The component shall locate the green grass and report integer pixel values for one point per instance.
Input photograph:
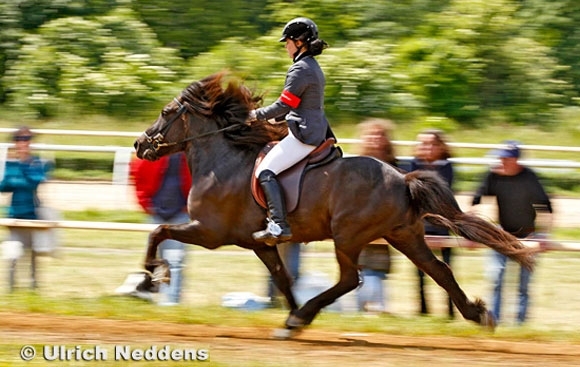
(94, 215)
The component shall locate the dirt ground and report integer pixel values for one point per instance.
(241, 346)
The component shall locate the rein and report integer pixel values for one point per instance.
(157, 141)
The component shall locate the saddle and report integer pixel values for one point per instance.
(291, 179)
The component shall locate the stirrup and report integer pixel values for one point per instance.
(273, 234)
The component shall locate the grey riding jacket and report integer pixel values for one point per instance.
(302, 102)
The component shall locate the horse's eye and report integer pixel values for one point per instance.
(164, 112)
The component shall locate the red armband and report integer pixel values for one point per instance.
(290, 99)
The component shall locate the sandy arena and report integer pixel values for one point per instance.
(240, 346)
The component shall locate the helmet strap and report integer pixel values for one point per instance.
(299, 49)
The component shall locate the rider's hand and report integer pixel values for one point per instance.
(251, 117)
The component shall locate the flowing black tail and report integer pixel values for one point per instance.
(432, 199)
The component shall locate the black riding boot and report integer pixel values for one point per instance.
(278, 229)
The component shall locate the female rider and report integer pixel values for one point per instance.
(302, 105)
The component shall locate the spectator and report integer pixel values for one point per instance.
(23, 174)
(519, 196)
(375, 260)
(162, 188)
(432, 153)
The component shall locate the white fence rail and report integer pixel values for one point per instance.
(432, 241)
(123, 154)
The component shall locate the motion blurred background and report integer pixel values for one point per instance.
(482, 71)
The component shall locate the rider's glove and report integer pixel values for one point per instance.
(251, 117)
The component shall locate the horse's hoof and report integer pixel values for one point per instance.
(285, 334)
(488, 321)
(161, 274)
(294, 322)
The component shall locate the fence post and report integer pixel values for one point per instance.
(3, 157)
(121, 166)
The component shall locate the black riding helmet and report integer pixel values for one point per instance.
(300, 27)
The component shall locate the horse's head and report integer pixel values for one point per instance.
(164, 135)
(204, 110)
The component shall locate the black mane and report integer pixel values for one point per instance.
(230, 106)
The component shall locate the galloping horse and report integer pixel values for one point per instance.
(351, 200)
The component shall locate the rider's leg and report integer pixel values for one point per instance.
(278, 230)
(284, 155)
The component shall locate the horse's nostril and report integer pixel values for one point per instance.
(136, 145)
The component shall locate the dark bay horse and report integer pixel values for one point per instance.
(352, 200)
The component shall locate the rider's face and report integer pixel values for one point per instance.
(291, 47)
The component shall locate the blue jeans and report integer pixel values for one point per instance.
(174, 252)
(371, 291)
(497, 272)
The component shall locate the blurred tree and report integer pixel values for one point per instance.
(261, 63)
(471, 60)
(360, 81)
(112, 64)
(19, 16)
(555, 25)
(468, 60)
(10, 35)
(194, 26)
(393, 20)
(35, 13)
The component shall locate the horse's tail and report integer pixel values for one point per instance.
(432, 199)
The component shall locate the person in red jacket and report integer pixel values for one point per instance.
(149, 177)
(162, 188)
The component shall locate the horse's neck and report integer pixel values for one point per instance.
(216, 161)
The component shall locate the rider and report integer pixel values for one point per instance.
(302, 104)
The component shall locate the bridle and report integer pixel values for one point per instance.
(157, 141)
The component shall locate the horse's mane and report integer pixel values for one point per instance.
(230, 106)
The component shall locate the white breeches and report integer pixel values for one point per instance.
(284, 155)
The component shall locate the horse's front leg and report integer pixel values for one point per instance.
(349, 280)
(158, 269)
(271, 258)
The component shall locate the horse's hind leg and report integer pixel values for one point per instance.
(421, 255)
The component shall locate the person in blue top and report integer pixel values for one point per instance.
(22, 175)
(301, 104)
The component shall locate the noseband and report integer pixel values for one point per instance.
(157, 141)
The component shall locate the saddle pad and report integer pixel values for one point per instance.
(290, 180)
